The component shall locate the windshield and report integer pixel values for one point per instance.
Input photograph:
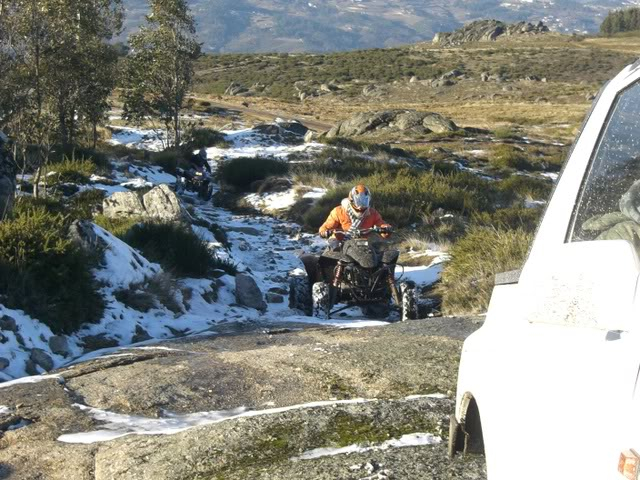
(608, 206)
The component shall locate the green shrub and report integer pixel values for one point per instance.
(526, 187)
(168, 159)
(176, 247)
(511, 218)
(404, 195)
(45, 274)
(118, 227)
(468, 277)
(505, 133)
(73, 171)
(205, 138)
(83, 204)
(508, 156)
(26, 204)
(242, 172)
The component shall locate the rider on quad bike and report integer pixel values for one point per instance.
(353, 214)
(198, 177)
(354, 270)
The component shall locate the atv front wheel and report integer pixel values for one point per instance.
(409, 301)
(322, 300)
(300, 294)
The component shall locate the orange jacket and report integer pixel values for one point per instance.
(339, 220)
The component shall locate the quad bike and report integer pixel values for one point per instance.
(198, 181)
(355, 272)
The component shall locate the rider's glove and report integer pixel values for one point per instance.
(326, 233)
(386, 230)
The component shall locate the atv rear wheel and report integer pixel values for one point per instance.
(409, 301)
(300, 294)
(322, 297)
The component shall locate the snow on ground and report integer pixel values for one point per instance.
(153, 140)
(249, 143)
(409, 440)
(274, 201)
(118, 425)
(264, 247)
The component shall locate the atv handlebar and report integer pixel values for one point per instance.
(359, 233)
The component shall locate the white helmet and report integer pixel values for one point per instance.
(360, 197)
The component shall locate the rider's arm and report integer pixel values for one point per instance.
(331, 223)
(379, 222)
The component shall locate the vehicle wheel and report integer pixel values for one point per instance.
(322, 300)
(180, 186)
(409, 301)
(300, 294)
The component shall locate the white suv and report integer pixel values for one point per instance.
(547, 386)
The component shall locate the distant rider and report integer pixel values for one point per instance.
(199, 161)
(353, 214)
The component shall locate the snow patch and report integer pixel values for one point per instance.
(119, 425)
(410, 440)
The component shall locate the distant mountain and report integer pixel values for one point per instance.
(330, 25)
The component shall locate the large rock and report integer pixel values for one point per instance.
(41, 358)
(60, 345)
(123, 204)
(160, 203)
(392, 121)
(8, 323)
(488, 31)
(248, 293)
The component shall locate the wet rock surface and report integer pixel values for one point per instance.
(258, 367)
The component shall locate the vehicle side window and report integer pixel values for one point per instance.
(609, 204)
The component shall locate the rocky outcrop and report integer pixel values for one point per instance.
(160, 203)
(236, 89)
(7, 178)
(248, 293)
(487, 31)
(392, 121)
(289, 132)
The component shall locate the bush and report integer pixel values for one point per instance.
(242, 172)
(169, 159)
(508, 156)
(404, 195)
(205, 138)
(118, 227)
(45, 274)
(512, 218)
(526, 187)
(84, 204)
(73, 171)
(468, 277)
(177, 248)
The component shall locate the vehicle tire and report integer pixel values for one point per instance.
(180, 185)
(300, 294)
(409, 301)
(321, 297)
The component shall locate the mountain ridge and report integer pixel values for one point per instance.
(234, 26)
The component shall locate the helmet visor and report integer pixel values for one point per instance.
(360, 201)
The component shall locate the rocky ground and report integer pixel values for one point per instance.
(212, 407)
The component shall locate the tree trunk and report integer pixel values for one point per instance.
(95, 134)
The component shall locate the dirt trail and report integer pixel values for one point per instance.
(270, 115)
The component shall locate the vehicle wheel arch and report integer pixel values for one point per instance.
(466, 435)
